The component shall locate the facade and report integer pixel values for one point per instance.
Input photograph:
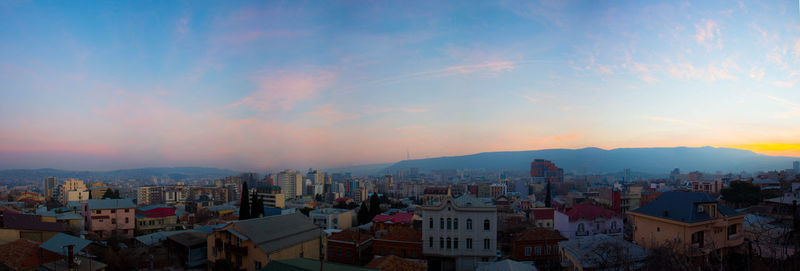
(149, 195)
(400, 242)
(392, 222)
(175, 194)
(585, 219)
(691, 221)
(291, 183)
(108, 217)
(72, 190)
(543, 217)
(538, 244)
(600, 252)
(434, 195)
(332, 218)
(272, 195)
(349, 247)
(50, 185)
(97, 192)
(459, 233)
(252, 244)
(544, 170)
(709, 187)
(155, 218)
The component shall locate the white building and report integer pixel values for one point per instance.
(291, 183)
(460, 233)
(72, 190)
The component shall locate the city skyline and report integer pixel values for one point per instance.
(250, 86)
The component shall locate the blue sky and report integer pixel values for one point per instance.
(255, 85)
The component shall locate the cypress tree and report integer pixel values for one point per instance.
(244, 204)
(547, 197)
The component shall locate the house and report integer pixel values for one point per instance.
(155, 218)
(392, 222)
(586, 219)
(537, 244)
(252, 244)
(349, 247)
(109, 217)
(14, 226)
(332, 218)
(543, 217)
(401, 242)
(600, 252)
(24, 254)
(190, 247)
(691, 221)
(394, 263)
(459, 233)
(61, 244)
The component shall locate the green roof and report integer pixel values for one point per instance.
(303, 264)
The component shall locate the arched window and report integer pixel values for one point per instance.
(441, 223)
(613, 225)
(581, 228)
(486, 225)
(431, 241)
(431, 222)
(441, 242)
(455, 223)
(449, 223)
(448, 242)
(469, 223)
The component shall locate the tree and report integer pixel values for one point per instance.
(318, 197)
(741, 194)
(257, 206)
(108, 194)
(223, 265)
(548, 198)
(363, 214)
(374, 206)
(244, 204)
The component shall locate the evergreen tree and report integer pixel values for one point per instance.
(256, 206)
(108, 194)
(374, 206)
(244, 204)
(363, 214)
(547, 197)
(116, 194)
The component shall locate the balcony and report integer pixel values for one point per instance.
(236, 249)
(617, 230)
(734, 240)
(582, 233)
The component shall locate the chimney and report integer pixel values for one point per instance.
(70, 257)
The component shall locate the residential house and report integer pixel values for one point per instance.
(252, 244)
(349, 247)
(332, 218)
(543, 217)
(108, 217)
(61, 244)
(24, 254)
(190, 247)
(600, 252)
(392, 222)
(401, 242)
(537, 244)
(155, 218)
(691, 221)
(14, 226)
(586, 219)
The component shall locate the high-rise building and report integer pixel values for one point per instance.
(316, 176)
(626, 175)
(544, 170)
(72, 190)
(796, 167)
(51, 183)
(148, 195)
(291, 183)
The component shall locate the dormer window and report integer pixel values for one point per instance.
(700, 209)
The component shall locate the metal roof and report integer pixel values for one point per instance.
(271, 233)
(682, 206)
(95, 204)
(59, 241)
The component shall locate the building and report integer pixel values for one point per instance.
(585, 219)
(305, 264)
(252, 244)
(24, 254)
(600, 252)
(317, 177)
(538, 244)
(332, 218)
(509, 265)
(349, 247)
(155, 218)
(459, 233)
(72, 190)
(400, 242)
(97, 192)
(392, 222)
(149, 195)
(176, 194)
(272, 195)
(50, 187)
(291, 183)
(691, 221)
(14, 226)
(709, 187)
(434, 195)
(796, 167)
(108, 217)
(190, 247)
(544, 170)
(394, 263)
(543, 217)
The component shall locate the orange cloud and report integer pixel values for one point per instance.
(775, 149)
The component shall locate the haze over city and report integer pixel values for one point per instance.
(272, 85)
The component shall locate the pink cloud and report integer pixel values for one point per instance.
(707, 33)
(330, 114)
(283, 90)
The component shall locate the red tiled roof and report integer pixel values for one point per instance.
(401, 218)
(402, 235)
(349, 236)
(160, 212)
(542, 213)
(588, 212)
(394, 263)
(537, 234)
(24, 254)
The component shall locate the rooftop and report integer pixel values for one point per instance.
(25, 254)
(394, 263)
(588, 212)
(538, 234)
(683, 207)
(271, 233)
(303, 264)
(401, 218)
(349, 236)
(507, 265)
(592, 250)
(57, 242)
(12, 220)
(110, 203)
(402, 235)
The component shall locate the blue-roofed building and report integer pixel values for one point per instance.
(692, 221)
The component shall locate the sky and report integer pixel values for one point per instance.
(295, 84)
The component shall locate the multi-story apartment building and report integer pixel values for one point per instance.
(544, 170)
(459, 233)
(291, 183)
(693, 222)
(272, 195)
(176, 194)
(332, 218)
(72, 190)
(434, 195)
(50, 185)
(155, 218)
(148, 195)
(108, 217)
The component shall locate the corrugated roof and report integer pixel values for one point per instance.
(189, 238)
(59, 241)
(95, 204)
(468, 200)
(272, 233)
(682, 206)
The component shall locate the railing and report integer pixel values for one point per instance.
(236, 249)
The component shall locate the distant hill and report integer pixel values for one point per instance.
(595, 160)
(359, 169)
(174, 173)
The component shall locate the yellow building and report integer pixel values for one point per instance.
(252, 243)
(691, 222)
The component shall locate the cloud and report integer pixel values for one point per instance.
(796, 49)
(370, 109)
(282, 90)
(670, 120)
(530, 99)
(707, 33)
(757, 73)
(710, 73)
(330, 114)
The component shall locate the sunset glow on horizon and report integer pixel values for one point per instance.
(275, 85)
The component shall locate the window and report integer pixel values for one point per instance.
(441, 223)
(101, 221)
(257, 265)
(413, 254)
(430, 220)
(127, 210)
(487, 243)
(486, 225)
(613, 225)
(113, 221)
(97, 212)
(113, 211)
(430, 245)
(455, 243)
(697, 238)
(538, 250)
(448, 243)
(403, 253)
(597, 227)
(382, 252)
(214, 251)
(441, 242)
(469, 243)
(449, 223)
(731, 231)
(581, 228)
(239, 260)
(469, 223)
(549, 251)
(527, 251)
(455, 223)
(127, 220)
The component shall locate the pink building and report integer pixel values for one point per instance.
(108, 217)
